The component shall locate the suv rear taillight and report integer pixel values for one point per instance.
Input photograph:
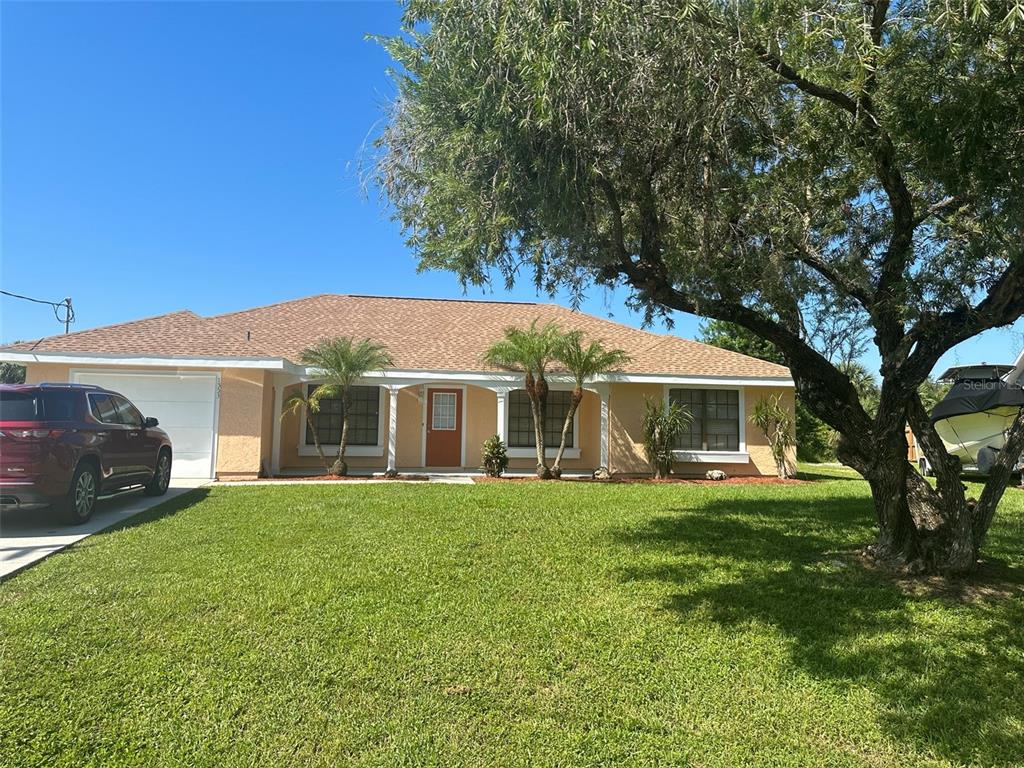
(30, 434)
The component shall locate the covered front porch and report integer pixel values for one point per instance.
(436, 424)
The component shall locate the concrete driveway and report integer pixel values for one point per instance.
(27, 536)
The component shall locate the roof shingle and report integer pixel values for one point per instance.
(420, 334)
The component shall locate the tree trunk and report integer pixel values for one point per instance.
(316, 442)
(340, 467)
(574, 404)
(537, 390)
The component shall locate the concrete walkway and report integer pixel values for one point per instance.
(27, 536)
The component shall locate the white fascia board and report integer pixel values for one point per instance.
(144, 361)
(722, 381)
(411, 376)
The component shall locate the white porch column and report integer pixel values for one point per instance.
(392, 431)
(502, 413)
(275, 446)
(603, 390)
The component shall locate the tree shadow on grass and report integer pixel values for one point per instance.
(948, 676)
(165, 509)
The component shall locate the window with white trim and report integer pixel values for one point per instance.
(363, 420)
(715, 424)
(520, 419)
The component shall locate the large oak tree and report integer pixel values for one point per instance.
(761, 163)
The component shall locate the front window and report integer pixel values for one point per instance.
(363, 419)
(127, 413)
(520, 419)
(716, 419)
(103, 410)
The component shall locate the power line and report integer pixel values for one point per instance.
(58, 307)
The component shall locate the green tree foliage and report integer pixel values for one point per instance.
(768, 164)
(12, 373)
(772, 418)
(342, 361)
(932, 392)
(583, 362)
(530, 350)
(661, 429)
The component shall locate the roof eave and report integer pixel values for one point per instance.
(148, 360)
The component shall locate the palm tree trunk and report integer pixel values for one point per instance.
(340, 467)
(538, 437)
(574, 404)
(316, 442)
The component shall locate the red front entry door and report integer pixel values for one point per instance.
(444, 427)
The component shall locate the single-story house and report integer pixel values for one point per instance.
(217, 385)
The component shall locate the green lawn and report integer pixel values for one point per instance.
(518, 624)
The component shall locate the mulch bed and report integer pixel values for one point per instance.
(343, 479)
(649, 480)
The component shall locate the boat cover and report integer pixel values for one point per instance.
(976, 396)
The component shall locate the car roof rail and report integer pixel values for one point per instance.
(68, 384)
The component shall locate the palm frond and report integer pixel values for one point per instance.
(530, 349)
(586, 362)
(343, 360)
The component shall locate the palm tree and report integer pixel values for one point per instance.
(531, 351)
(583, 363)
(343, 361)
(311, 403)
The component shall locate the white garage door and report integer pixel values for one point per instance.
(184, 403)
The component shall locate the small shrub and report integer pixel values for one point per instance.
(772, 418)
(662, 426)
(495, 457)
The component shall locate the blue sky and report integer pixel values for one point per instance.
(162, 156)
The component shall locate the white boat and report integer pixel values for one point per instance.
(973, 418)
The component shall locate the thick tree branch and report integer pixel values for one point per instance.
(935, 335)
(787, 73)
(849, 286)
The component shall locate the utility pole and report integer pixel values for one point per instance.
(67, 313)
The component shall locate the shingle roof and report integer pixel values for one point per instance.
(420, 334)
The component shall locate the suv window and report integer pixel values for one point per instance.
(102, 408)
(37, 406)
(127, 413)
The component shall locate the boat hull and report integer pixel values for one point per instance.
(966, 434)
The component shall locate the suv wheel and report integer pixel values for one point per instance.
(81, 499)
(162, 477)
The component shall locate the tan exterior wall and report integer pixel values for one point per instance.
(240, 429)
(481, 422)
(626, 407)
(37, 373)
(625, 428)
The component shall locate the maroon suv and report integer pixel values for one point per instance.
(67, 444)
